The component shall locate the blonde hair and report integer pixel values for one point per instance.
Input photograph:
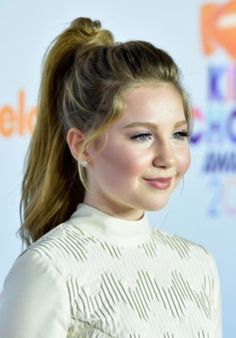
(84, 76)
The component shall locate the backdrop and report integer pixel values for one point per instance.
(200, 35)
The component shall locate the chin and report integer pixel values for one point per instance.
(155, 206)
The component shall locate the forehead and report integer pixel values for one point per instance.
(152, 103)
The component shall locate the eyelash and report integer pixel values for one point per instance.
(142, 137)
(182, 135)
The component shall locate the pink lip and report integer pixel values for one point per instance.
(161, 183)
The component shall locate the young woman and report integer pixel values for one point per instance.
(111, 141)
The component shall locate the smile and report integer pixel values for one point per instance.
(159, 183)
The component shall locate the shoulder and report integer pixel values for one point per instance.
(185, 250)
(33, 291)
(45, 260)
(176, 242)
(62, 247)
(31, 266)
(33, 274)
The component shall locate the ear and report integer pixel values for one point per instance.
(74, 139)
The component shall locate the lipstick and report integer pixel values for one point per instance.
(160, 183)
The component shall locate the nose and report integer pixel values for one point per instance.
(164, 155)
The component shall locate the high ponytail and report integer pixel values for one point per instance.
(84, 77)
(51, 186)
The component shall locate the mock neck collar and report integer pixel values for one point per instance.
(109, 228)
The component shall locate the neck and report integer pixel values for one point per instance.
(115, 210)
(110, 228)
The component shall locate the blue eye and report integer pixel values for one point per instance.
(181, 135)
(142, 137)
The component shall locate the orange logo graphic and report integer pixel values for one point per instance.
(218, 25)
(17, 121)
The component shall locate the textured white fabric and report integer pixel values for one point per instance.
(100, 276)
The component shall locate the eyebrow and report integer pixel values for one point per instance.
(153, 125)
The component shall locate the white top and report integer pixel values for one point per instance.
(99, 276)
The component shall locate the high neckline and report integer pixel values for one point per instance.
(109, 228)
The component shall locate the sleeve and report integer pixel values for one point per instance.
(34, 302)
(217, 314)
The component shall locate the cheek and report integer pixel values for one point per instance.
(128, 164)
(184, 160)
